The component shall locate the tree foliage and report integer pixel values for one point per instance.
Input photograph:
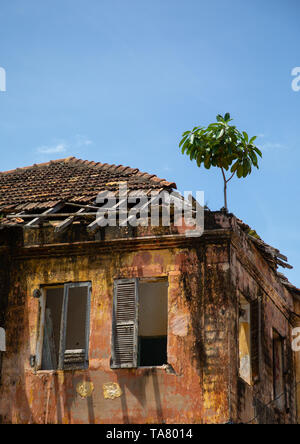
(222, 145)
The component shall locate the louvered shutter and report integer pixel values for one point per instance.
(255, 338)
(125, 324)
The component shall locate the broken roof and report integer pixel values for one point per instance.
(43, 186)
(272, 255)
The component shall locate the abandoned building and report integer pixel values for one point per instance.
(102, 324)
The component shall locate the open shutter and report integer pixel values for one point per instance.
(125, 324)
(75, 325)
(255, 316)
(40, 339)
(49, 354)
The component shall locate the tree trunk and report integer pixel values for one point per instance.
(225, 195)
(225, 189)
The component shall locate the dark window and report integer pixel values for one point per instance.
(255, 319)
(278, 370)
(152, 351)
(153, 323)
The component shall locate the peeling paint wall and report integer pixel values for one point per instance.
(200, 384)
(145, 395)
(297, 356)
(254, 279)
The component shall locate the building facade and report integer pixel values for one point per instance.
(137, 325)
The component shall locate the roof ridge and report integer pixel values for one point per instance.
(96, 165)
(37, 165)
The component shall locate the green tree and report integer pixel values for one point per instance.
(222, 145)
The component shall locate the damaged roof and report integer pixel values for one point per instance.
(42, 186)
(47, 187)
(292, 288)
(272, 255)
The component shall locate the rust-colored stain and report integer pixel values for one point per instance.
(200, 383)
(111, 390)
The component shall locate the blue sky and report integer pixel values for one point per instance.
(118, 81)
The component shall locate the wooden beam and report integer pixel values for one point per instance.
(38, 220)
(48, 216)
(91, 207)
(143, 207)
(95, 224)
(152, 201)
(62, 226)
(284, 264)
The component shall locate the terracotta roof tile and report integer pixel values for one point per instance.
(41, 186)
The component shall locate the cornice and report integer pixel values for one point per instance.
(123, 244)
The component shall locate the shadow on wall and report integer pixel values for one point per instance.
(136, 386)
(30, 399)
(82, 387)
(61, 392)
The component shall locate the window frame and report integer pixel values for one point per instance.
(136, 358)
(254, 321)
(242, 303)
(277, 337)
(63, 323)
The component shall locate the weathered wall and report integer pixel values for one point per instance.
(3, 298)
(197, 331)
(253, 279)
(296, 325)
(3, 288)
(4, 284)
(202, 385)
(5, 240)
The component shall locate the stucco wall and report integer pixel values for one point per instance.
(201, 385)
(253, 278)
(196, 332)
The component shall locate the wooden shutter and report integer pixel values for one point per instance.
(40, 339)
(255, 317)
(49, 361)
(125, 324)
(76, 358)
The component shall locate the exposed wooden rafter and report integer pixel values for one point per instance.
(97, 223)
(44, 216)
(62, 226)
(37, 220)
